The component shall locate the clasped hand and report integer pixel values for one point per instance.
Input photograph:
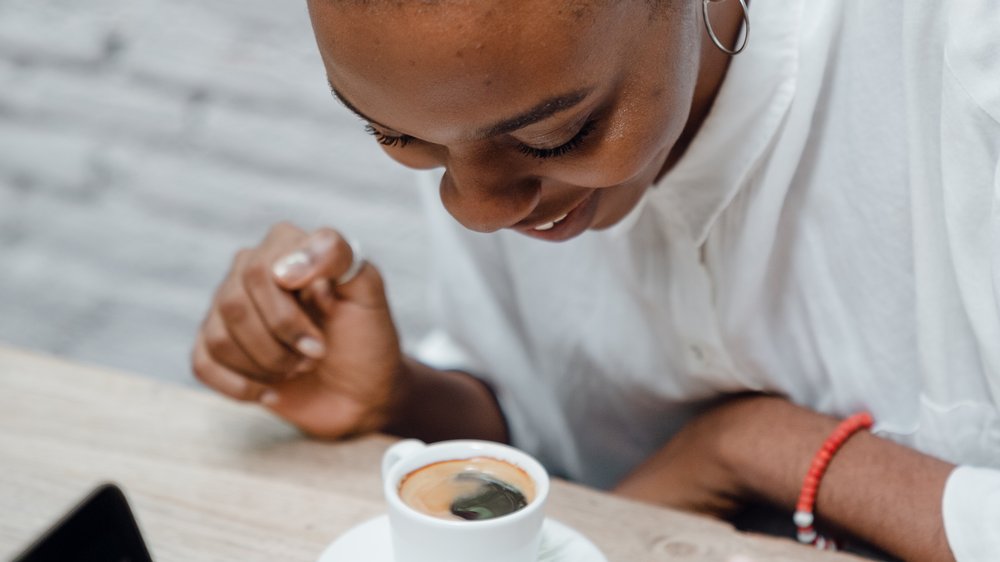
(279, 330)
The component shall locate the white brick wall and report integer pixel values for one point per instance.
(143, 141)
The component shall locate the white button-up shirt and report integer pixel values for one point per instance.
(832, 234)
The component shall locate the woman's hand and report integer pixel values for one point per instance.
(280, 330)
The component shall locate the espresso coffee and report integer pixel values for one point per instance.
(467, 489)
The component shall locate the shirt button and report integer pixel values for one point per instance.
(698, 353)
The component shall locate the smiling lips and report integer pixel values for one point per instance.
(551, 225)
(570, 224)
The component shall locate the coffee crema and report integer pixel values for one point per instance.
(467, 489)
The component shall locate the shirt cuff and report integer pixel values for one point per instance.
(971, 511)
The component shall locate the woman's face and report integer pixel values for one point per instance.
(540, 111)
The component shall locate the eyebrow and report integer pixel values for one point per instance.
(543, 110)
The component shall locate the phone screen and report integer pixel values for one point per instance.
(100, 529)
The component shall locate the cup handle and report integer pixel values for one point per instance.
(398, 452)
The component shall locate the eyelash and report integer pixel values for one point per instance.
(388, 140)
(540, 153)
(563, 149)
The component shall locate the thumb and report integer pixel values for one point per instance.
(366, 288)
(324, 254)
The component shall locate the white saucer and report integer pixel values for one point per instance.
(369, 542)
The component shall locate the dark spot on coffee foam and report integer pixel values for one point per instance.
(492, 498)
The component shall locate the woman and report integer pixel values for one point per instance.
(810, 221)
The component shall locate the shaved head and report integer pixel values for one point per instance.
(531, 106)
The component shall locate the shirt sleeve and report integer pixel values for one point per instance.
(437, 349)
(971, 502)
(971, 510)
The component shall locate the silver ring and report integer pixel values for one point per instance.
(715, 38)
(357, 262)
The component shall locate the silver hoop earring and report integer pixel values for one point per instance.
(715, 38)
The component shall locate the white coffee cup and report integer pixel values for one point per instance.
(418, 537)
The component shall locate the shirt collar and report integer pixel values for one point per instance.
(747, 112)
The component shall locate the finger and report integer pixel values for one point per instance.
(241, 342)
(367, 288)
(324, 254)
(281, 314)
(243, 323)
(224, 349)
(322, 295)
(220, 378)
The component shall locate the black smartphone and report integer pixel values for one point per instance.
(101, 528)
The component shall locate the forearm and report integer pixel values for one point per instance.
(877, 490)
(435, 405)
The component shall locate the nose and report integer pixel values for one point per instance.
(486, 193)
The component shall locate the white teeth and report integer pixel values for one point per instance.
(550, 225)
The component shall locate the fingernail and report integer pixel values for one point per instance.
(269, 398)
(292, 266)
(310, 347)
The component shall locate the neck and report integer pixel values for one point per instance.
(727, 21)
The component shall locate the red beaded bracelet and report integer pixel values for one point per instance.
(807, 497)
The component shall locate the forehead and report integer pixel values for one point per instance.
(415, 65)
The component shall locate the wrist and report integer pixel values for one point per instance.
(434, 405)
(767, 446)
(397, 414)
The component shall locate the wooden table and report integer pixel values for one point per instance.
(210, 479)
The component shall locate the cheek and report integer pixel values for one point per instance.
(624, 163)
(625, 159)
(642, 140)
